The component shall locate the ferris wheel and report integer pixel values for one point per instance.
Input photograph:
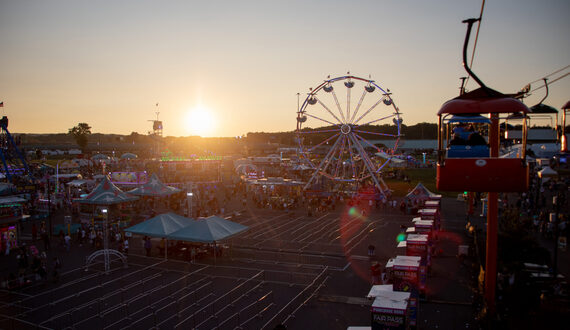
(340, 134)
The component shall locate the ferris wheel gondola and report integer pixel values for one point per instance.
(336, 133)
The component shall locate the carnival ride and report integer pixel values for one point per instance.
(334, 131)
(477, 166)
(13, 160)
(482, 170)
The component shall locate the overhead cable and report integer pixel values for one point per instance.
(476, 38)
(550, 82)
(548, 75)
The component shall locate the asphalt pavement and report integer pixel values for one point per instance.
(316, 274)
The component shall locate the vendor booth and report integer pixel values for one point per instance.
(11, 212)
(408, 275)
(433, 204)
(431, 214)
(419, 195)
(418, 245)
(390, 309)
(425, 227)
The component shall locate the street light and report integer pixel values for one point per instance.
(189, 195)
(106, 239)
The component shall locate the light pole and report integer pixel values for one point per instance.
(106, 239)
(189, 195)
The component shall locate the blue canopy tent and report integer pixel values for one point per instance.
(155, 188)
(129, 155)
(161, 226)
(208, 230)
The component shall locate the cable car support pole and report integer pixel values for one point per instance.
(492, 197)
(492, 224)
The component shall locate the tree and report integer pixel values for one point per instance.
(80, 133)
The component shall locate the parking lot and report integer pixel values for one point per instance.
(288, 268)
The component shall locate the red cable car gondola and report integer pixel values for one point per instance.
(473, 167)
(476, 165)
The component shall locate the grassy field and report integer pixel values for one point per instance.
(426, 176)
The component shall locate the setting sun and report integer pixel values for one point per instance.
(200, 121)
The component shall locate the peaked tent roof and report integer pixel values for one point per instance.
(542, 109)
(161, 225)
(208, 230)
(129, 155)
(392, 158)
(154, 187)
(100, 157)
(421, 192)
(106, 193)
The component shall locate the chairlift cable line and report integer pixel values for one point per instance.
(476, 38)
(550, 82)
(548, 75)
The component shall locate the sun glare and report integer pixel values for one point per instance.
(200, 121)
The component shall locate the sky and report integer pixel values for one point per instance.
(226, 68)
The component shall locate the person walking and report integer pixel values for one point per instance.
(126, 246)
(67, 242)
(147, 246)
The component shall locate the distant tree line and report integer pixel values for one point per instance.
(426, 131)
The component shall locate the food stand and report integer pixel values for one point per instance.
(433, 204)
(425, 227)
(418, 245)
(11, 213)
(390, 310)
(430, 214)
(407, 275)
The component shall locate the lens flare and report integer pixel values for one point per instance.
(353, 212)
(401, 237)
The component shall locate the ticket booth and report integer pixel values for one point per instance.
(390, 310)
(418, 245)
(434, 197)
(430, 214)
(407, 275)
(425, 227)
(436, 204)
(376, 290)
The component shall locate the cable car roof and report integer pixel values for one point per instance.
(483, 100)
(542, 109)
(468, 118)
